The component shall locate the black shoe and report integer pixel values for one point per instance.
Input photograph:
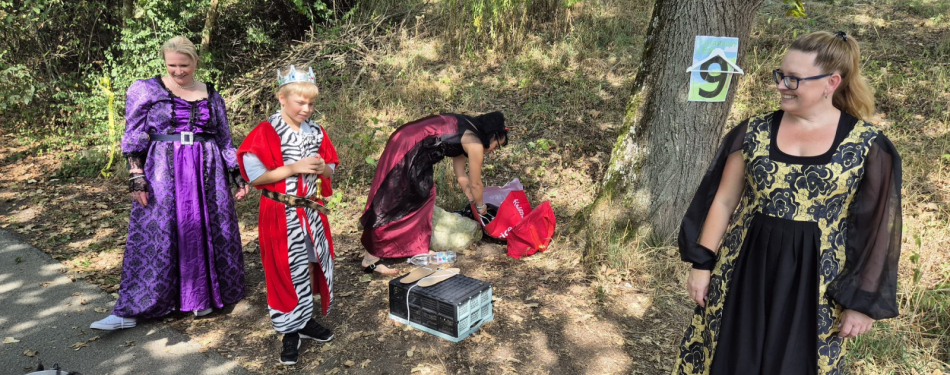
(289, 355)
(315, 332)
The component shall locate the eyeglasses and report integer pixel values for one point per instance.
(792, 82)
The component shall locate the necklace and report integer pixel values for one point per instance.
(193, 83)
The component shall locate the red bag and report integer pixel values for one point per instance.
(527, 231)
(533, 233)
(510, 213)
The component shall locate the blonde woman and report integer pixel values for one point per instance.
(184, 249)
(809, 260)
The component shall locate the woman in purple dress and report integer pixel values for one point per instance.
(184, 247)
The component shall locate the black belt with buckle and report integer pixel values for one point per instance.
(295, 201)
(186, 138)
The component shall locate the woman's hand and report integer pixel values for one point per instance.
(138, 186)
(854, 324)
(698, 285)
(242, 191)
(483, 209)
(140, 196)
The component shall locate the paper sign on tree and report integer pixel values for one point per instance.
(714, 63)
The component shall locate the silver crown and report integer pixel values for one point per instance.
(294, 76)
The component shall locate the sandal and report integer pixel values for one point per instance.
(439, 276)
(381, 262)
(416, 274)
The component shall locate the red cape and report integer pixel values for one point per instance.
(264, 143)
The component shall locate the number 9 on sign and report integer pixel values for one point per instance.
(720, 78)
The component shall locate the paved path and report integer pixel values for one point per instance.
(40, 306)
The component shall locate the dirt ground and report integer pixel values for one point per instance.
(552, 315)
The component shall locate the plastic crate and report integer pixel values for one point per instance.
(451, 309)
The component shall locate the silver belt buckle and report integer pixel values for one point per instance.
(187, 138)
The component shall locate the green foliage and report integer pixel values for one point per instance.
(17, 86)
(314, 10)
(83, 164)
(794, 8)
(541, 144)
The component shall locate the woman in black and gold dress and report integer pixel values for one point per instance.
(810, 257)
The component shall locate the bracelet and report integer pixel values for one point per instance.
(480, 207)
(135, 177)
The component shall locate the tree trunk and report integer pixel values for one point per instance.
(666, 142)
(127, 8)
(209, 26)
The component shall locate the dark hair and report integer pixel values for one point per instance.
(488, 127)
(839, 53)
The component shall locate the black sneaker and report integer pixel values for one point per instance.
(289, 355)
(315, 332)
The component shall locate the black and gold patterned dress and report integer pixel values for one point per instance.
(812, 236)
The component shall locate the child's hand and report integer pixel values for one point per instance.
(308, 166)
(321, 165)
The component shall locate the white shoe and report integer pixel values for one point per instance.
(112, 323)
(203, 312)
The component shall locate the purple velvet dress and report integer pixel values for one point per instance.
(184, 247)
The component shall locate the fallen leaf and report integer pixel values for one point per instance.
(77, 294)
(345, 294)
(349, 363)
(366, 278)
(93, 338)
(364, 363)
(410, 353)
(101, 310)
(10, 340)
(82, 301)
(421, 369)
(101, 205)
(30, 353)
(334, 371)
(532, 305)
(583, 318)
(78, 345)
(130, 343)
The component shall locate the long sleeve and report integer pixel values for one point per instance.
(692, 225)
(135, 142)
(222, 137)
(868, 281)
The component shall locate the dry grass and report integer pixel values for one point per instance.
(564, 95)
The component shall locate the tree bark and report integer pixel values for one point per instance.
(127, 8)
(666, 142)
(209, 26)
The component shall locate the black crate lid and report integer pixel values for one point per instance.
(456, 289)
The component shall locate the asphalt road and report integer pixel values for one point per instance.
(43, 309)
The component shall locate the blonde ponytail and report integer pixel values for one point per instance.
(839, 53)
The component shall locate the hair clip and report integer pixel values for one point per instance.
(842, 35)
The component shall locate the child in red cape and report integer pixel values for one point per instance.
(291, 160)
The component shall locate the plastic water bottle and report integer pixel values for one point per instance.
(430, 259)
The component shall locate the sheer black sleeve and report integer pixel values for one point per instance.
(137, 181)
(868, 281)
(692, 225)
